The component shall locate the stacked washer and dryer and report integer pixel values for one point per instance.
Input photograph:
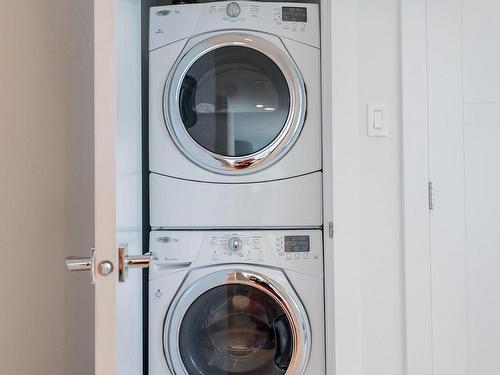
(236, 189)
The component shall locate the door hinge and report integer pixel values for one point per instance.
(431, 195)
(330, 229)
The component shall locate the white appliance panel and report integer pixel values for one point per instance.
(294, 202)
(305, 155)
(265, 248)
(301, 276)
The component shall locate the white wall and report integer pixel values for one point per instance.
(46, 314)
(381, 249)
(369, 321)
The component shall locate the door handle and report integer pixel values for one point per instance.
(126, 261)
(106, 267)
(88, 264)
(76, 264)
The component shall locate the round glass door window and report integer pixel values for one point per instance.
(234, 102)
(235, 329)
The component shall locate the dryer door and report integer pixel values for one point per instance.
(236, 322)
(235, 103)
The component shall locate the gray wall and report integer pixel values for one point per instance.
(46, 187)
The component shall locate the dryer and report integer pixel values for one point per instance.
(235, 115)
(247, 302)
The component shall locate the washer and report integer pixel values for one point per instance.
(236, 303)
(235, 112)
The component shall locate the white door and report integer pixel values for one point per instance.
(463, 79)
(118, 187)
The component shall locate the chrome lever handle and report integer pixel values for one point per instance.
(126, 261)
(139, 261)
(82, 264)
(78, 264)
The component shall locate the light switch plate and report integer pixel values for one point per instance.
(377, 120)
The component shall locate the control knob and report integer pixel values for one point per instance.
(235, 243)
(233, 10)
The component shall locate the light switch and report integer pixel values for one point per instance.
(377, 120)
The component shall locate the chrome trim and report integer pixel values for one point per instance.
(105, 268)
(126, 261)
(78, 263)
(172, 265)
(83, 264)
(245, 164)
(289, 302)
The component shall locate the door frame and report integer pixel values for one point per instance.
(116, 111)
(105, 127)
(416, 212)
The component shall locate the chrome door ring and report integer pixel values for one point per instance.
(245, 164)
(295, 312)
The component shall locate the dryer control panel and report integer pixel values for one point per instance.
(293, 18)
(299, 250)
(297, 21)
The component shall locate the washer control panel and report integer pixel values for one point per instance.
(299, 250)
(258, 246)
(236, 247)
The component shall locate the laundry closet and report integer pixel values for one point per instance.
(235, 188)
(211, 178)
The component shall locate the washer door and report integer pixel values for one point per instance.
(236, 322)
(235, 103)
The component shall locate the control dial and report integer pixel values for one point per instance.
(233, 10)
(235, 243)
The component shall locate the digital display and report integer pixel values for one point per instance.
(297, 244)
(294, 14)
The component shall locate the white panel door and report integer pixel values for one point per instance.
(118, 305)
(463, 45)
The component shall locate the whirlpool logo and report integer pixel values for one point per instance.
(162, 13)
(165, 239)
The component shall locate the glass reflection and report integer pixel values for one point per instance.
(234, 101)
(235, 329)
